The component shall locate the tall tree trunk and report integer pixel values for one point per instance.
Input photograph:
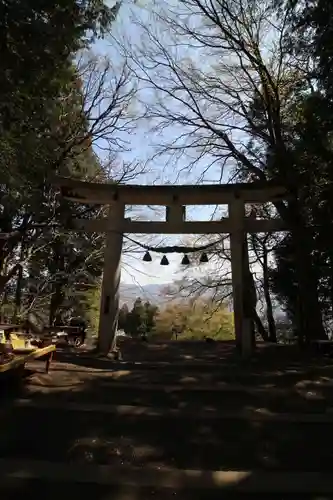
(4, 279)
(250, 296)
(309, 312)
(56, 301)
(3, 315)
(309, 318)
(331, 283)
(18, 290)
(57, 292)
(18, 296)
(3, 293)
(269, 308)
(260, 327)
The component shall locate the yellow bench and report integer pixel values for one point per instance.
(22, 358)
(18, 342)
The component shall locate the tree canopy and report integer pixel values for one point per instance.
(57, 101)
(245, 88)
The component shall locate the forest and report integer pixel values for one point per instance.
(251, 98)
(178, 320)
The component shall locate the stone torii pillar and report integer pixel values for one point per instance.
(242, 323)
(109, 308)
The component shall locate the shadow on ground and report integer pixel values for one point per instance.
(36, 490)
(279, 379)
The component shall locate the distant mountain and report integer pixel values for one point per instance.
(156, 295)
(153, 293)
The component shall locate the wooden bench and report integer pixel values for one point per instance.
(22, 356)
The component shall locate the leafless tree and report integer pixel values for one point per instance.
(214, 279)
(218, 85)
(96, 117)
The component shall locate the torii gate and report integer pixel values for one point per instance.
(175, 199)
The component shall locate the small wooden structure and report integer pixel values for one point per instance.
(175, 199)
(24, 356)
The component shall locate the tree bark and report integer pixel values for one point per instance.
(250, 296)
(18, 295)
(309, 312)
(57, 292)
(269, 308)
(18, 290)
(331, 280)
(309, 318)
(5, 278)
(260, 327)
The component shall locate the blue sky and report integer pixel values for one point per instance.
(134, 270)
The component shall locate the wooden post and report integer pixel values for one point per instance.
(242, 330)
(48, 362)
(111, 279)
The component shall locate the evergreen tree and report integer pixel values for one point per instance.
(123, 318)
(137, 319)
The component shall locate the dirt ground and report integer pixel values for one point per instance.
(181, 404)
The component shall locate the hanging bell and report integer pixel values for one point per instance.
(185, 261)
(203, 258)
(147, 257)
(164, 261)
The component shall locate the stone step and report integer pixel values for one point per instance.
(229, 397)
(205, 413)
(39, 489)
(105, 438)
(130, 479)
(174, 374)
(189, 362)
